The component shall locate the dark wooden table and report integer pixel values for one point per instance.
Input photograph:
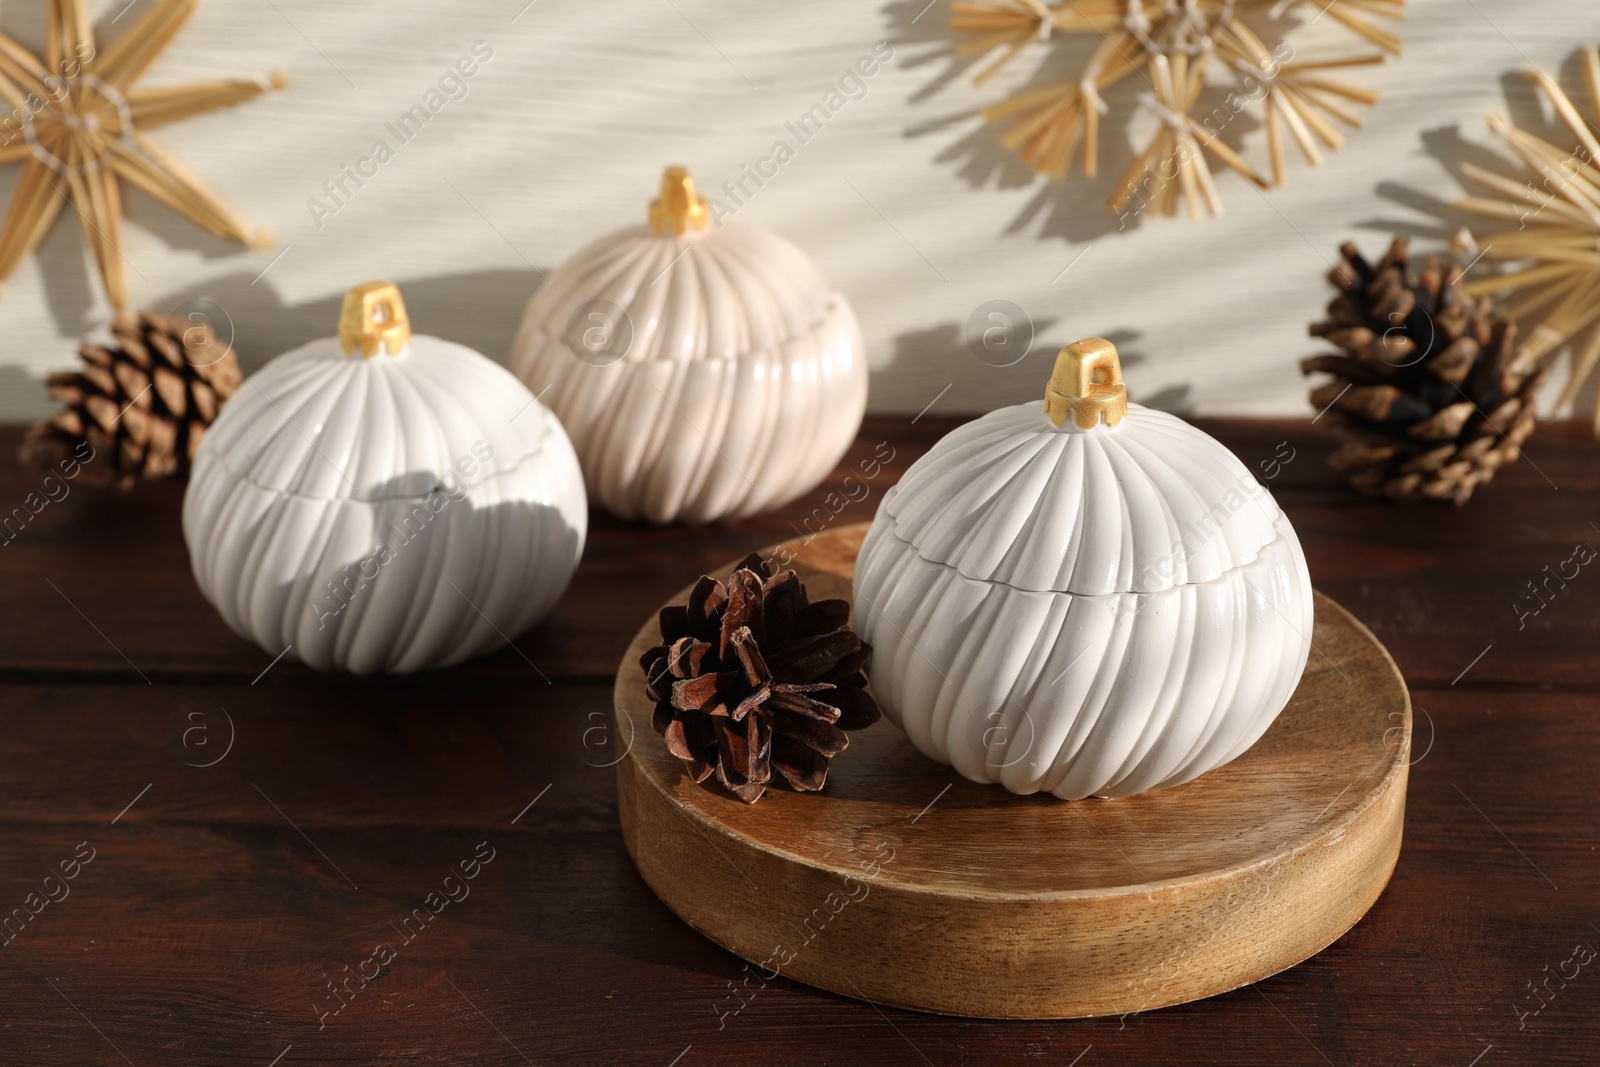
(257, 829)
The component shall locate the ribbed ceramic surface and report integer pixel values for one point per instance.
(1149, 505)
(1018, 589)
(317, 423)
(384, 514)
(742, 382)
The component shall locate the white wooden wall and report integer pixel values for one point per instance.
(904, 199)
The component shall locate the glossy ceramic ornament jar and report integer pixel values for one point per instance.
(703, 372)
(383, 502)
(1088, 598)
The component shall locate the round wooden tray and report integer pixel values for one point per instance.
(902, 883)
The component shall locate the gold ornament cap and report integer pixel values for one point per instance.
(374, 317)
(678, 209)
(1087, 384)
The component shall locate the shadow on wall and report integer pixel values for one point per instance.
(1435, 221)
(943, 355)
(480, 309)
(1071, 209)
(72, 286)
(1452, 148)
(70, 282)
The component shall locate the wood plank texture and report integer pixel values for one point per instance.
(206, 927)
(214, 912)
(1436, 585)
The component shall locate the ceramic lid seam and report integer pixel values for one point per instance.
(1278, 537)
(985, 469)
(221, 461)
(834, 298)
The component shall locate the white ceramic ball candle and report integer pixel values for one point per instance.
(1093, 598)
(383, 502)
(703, 372)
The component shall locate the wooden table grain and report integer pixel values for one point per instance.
(251, 844)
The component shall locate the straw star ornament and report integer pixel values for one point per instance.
(78, 126)
(1179, 48)
(1550, 248)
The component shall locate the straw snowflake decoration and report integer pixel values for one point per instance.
(1179, 46)
(78, 125)
(1553, 252)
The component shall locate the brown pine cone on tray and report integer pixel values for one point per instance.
(1426, 392)
(757, 685)
(141, 401)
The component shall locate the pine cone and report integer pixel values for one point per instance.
(1427, 393)
(751, 678)
(142, 402)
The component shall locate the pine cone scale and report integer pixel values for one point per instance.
(746, 648)
(686, 656)
(703, 693)
(799, 705)
(749, 703)
(803, 769)
(744, 610)
(856, 707)
(169, 387)
(1445, 424)
(813, 659)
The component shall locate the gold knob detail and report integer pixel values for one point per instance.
(678, 209)
(1087, 383)
(374, 317)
